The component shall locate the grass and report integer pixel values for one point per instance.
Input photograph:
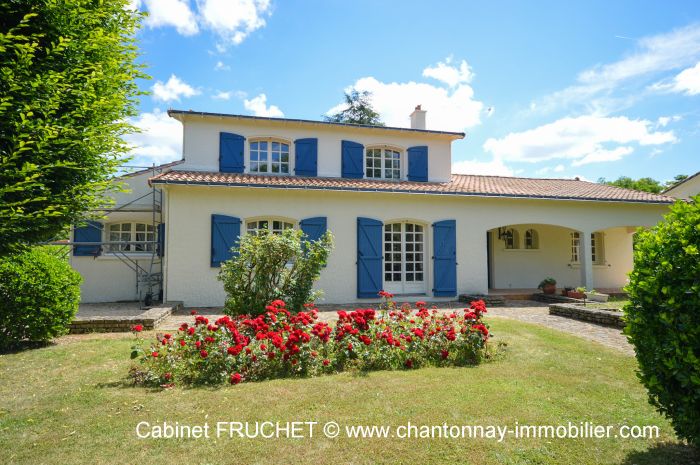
(612, 304)
(69, 403)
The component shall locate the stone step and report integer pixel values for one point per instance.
(491, 300)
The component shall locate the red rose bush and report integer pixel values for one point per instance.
(279, 344)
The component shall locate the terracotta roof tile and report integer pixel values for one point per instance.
(461, 184)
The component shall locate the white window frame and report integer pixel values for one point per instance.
(404, 286)
(270, 220)
(131, 235)
(597, 248)
(534, 239)
(383, 160)
(269, 141)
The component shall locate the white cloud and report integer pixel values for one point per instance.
(176, 13)
(233, 20)
(663, 121)
(450, 75)
(686, 82)
(220, 66)
(173, 90)
(584, 139)
(495, 167)
(559, 168)
(258, 105)
(653, 55)
(159, 141)
(222, 95)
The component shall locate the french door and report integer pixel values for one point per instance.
(404, 258)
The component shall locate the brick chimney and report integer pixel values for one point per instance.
(418, 118)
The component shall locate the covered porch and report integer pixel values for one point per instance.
(519, 256)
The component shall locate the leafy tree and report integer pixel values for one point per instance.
(676, 179)
(663, 316)
(358, 111)
(641, 184)
(67, 70)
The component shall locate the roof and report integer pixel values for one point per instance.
(150, 169)
(678, 184)
(174, 113)
(461, 184)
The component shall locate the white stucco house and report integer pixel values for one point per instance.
(401, 220)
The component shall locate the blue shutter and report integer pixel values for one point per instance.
(444, 258)
(369, 258)
(91, 232)
(306, 157)
(161, 239)
(231, 148)
(353, 155)
(314, 228)
(418, 163)
(224, 235)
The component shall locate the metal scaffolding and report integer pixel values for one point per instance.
(149, 276)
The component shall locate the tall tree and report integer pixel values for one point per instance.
(67, 71)
(676, 179)
(358, 110)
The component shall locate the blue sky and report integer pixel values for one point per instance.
(543, 89)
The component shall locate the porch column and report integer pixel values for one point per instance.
(585, 259)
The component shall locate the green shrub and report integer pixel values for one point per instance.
(272, 266)
(663, 316)
(39, 296)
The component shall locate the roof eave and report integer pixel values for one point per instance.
(181, 114)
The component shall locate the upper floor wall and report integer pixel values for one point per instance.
(305, 148)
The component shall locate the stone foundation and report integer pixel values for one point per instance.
(593, 315)
(149, 319)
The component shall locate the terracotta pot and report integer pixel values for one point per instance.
(575, 294)
(549, 289)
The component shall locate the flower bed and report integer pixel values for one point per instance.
(279, 344)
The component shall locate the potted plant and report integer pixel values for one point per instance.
(578, 293)
(596, 296)
(548, 286)
(566, 290)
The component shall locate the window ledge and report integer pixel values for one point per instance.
(521, 250)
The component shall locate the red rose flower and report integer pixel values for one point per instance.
(190, 331)
(326, 362)
(198, 344)
(193, 312)
(203, 353)
(444, 354)
(167, 336)
(154, 354)
(349, 346)
(183, 343)
(236, 378)
(409, 363)
(137, 328)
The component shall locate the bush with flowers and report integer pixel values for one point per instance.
(280, 344)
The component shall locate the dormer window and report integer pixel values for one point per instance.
(383, 163)
(269, 156)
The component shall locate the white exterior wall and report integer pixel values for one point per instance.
(524, 269)
(106, 278)
(201, 144)
(191, 279)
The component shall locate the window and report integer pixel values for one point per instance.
(510, 238)
(597, 256)
(269, 156)
(383, 163)
(276, 226)
(143, 234)
(404, 257)
(532, 240)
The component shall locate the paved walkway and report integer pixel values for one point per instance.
(538, 313)
(522, 310)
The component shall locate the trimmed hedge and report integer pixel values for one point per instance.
(39, 296)
(663, 316)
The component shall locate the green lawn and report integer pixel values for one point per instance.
(611, 304)
(69, 403)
